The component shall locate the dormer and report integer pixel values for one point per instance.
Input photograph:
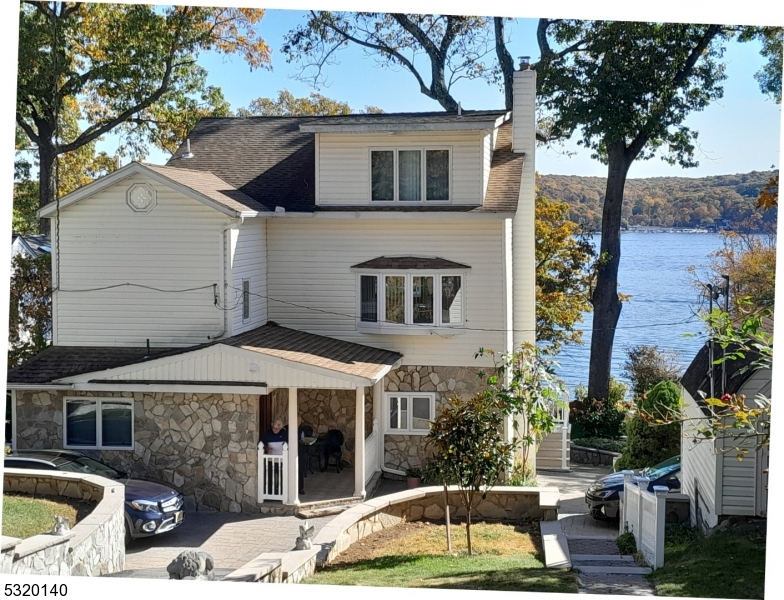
(408, 161)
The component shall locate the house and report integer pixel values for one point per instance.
(344, 269)
(717, 483)
(32, 245)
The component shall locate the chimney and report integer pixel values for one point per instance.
(523, 238)
(524, 109)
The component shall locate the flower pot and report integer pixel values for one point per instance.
(414, 482)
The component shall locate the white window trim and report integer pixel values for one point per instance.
(410, 412)
(242, 304)
(99, 422)
(409, 327)
(395, 183)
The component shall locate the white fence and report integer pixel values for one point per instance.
(371, 453)
(273, 475)
(643, 514)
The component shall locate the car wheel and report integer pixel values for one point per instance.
(128, 537)
(596, 513)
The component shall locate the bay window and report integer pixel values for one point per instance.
(415, 298)
(410, 175)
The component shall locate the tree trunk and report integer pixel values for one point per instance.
(605, 300)
(505, 62)
(47, 157)
(448, 524)
(468, 531)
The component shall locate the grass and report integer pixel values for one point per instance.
(25, 516)
(506, 558)
(729, 564)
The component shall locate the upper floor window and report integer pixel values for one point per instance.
(410, 175)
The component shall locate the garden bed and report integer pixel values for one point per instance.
(506, 557)
(25, 516)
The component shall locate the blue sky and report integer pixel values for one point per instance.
(738, 133)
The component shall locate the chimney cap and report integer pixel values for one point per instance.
(525, 63)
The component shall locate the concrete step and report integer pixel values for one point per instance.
(325, 508)
(611, 570)
(587, 558)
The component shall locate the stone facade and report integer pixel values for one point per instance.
(327, 409)
(405, 451)
(203, 445)
(95, 546)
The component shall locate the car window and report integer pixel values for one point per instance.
(654, 474)
(670, 462)
(84, 464)
(16, 463)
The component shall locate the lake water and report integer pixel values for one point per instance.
(663, 300)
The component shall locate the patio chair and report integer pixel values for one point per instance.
(333, 448)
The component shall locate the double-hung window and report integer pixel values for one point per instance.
(101, 423)
(409, 413)
(410, 175)
(389, 299)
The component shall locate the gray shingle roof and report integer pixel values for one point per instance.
(271, 160)
(409, 262)
(347, 358)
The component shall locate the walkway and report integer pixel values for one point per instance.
(594, 553)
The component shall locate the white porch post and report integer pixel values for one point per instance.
(378, 396)
(359, 446)
(293, 449)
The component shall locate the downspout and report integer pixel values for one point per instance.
(224, 272)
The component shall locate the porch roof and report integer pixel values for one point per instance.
(262, 356)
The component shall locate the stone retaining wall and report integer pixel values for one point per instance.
(501, 504)
(591, 456)
(95, 545)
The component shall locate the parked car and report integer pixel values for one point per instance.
(603, 496)
(150, 508)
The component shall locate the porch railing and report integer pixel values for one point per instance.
(273, 475)
(643, 514)
(371, 452)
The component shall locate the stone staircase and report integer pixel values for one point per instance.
(602, 570)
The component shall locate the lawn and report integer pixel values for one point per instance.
(507, 558)
(25, 516)
(729, 564)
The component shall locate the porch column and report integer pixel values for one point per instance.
(378, 403)
(293, 449)
(359, 446)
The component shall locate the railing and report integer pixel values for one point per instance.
(643, 514)
(371, 453)
(273, 475)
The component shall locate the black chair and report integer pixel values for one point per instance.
(333, 441)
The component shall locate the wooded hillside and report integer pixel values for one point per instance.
(720, 201)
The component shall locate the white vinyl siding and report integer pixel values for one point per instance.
(698, 467)
(178, 245)
(488, 144)
(249, 263)
(310, 264)
(343, 169)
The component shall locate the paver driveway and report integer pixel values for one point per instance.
(232, 539)
(573, 513)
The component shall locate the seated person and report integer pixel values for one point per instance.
(273, 439)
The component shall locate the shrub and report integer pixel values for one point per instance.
(598, 418)
(646, 366)
(649, 442)
(601, 444)
(626, 543)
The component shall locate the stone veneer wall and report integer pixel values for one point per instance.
(327, 409)
(404, 451)
(204, 445)
(96, 544)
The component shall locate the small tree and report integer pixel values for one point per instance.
(652, 436)
(470, 450)
(646, 366)
(524, 386)
(592, 418)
